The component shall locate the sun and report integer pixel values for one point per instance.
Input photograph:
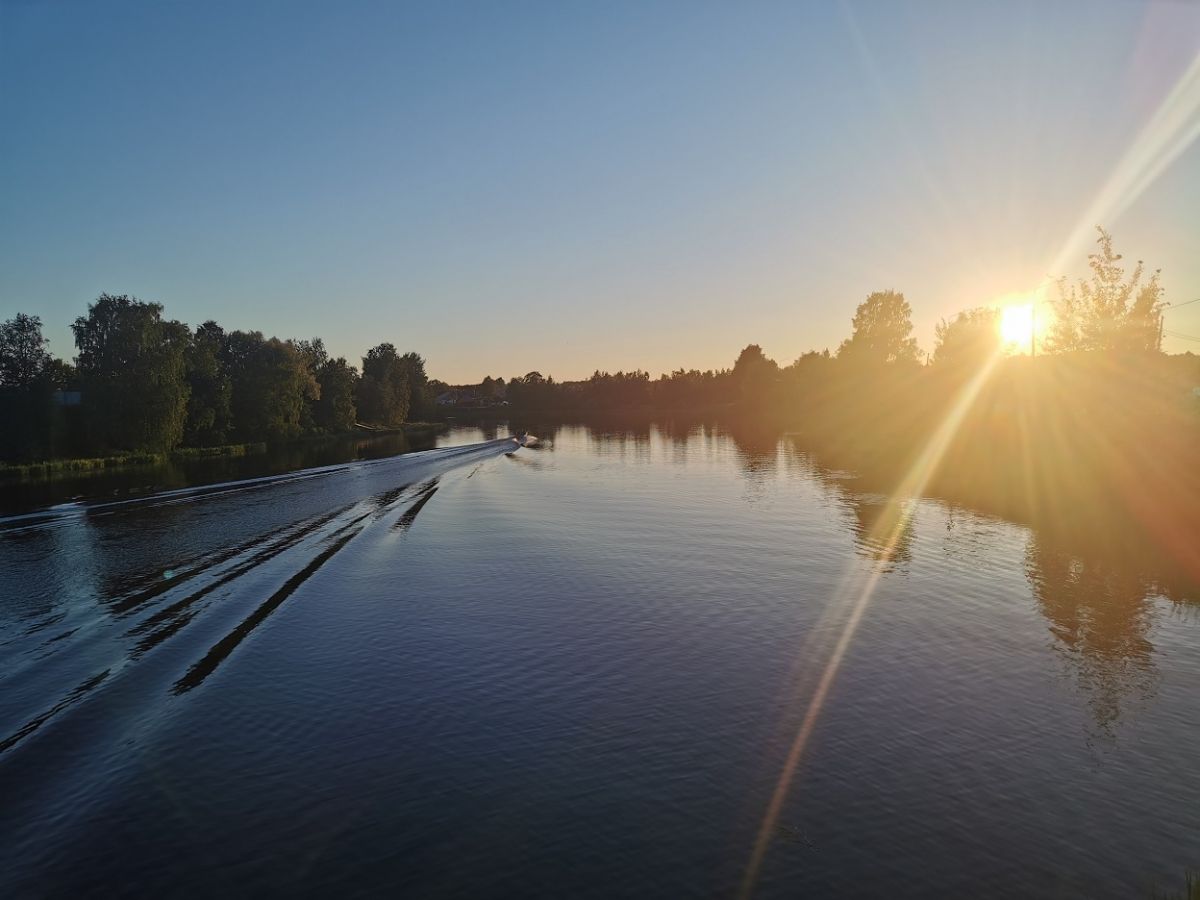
(1016, 324)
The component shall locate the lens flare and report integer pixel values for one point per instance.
(1173, 127)
(854, 595)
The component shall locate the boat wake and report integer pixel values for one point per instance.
(129, 598)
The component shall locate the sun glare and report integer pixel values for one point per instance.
(1016, 324)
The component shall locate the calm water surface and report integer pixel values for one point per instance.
(580, 670)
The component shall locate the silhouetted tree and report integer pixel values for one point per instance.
(752, 363)
(1108, 311)
(806, 378)
(756, 376)
(882, 331)
(620, 391)
(535, 391)
(811, 362)
(28, 377)
(61, 375)
(210, 403)
(23, 356)
(692, 388)
(968, 340)
(132, 368)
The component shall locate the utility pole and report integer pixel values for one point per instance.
(1166, 309)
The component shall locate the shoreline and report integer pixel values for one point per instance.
(48, 470)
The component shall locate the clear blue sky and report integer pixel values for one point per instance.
(570, 186)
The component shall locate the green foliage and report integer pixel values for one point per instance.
(28, 377)
(313, 352)
(23, 356)
(272, 386)
(335, 410)
(210, 404)
(882, 331)
(1108, 311)
(968, 340)
(148, 383)
(419, 399)
(132, 369)
(383, 390)
(314, 355)
(50, 468)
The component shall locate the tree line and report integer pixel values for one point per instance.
(1097, 439)
(1109, 314)
(152, 384)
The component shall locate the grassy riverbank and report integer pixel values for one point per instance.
(83, 465)
(53, 468)
(1191, 890)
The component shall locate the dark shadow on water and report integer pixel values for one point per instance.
(881, 526)
(34, 724)
(387, 498)
(424, 495)
(757, 449)
(223, 648)
(289, 538)
(338, 539)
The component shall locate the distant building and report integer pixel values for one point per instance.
(457, 397)
(68, 398)
(469, 396)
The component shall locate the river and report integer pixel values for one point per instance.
(623, 662)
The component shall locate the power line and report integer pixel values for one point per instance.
(1171, 306)
(1182, 337)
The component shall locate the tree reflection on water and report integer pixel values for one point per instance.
(1098, 585)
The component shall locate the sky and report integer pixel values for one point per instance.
(574, 186)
